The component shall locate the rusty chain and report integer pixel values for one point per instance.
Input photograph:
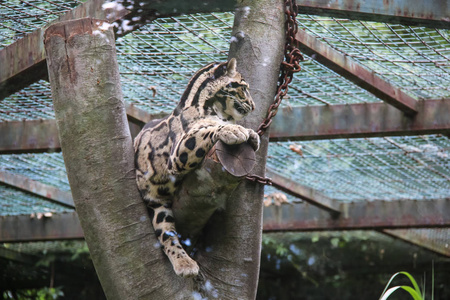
(289, 66)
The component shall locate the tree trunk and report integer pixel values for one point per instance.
(98, 154)
(231, 255)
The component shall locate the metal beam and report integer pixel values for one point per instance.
(297, 123)
(42, 135)
(23, 62)
(140, 116)
(355, 72)
(29, 136)
(412, 12)
(359, 120)
(362, 215)
(23, 228)
(374, 215)
(37, 188)
(422, 239)
(303, 192)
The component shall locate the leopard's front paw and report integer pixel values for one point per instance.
(185, 267)
(233, 134)
(253, 139)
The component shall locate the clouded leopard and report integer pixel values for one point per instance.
(169, 148)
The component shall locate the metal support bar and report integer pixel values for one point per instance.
(29, 136)
(303, 192)
(421, 239)
(362, 215)
(374, 215)
(359, 120)
(26, 229)
(298, 123)
(356, 73)
(412, 12)
(38, 188)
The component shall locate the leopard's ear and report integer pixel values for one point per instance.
(231, 67)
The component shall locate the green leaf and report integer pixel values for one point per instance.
(409, 289)
(416, 290)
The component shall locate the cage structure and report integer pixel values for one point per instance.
(361, 142)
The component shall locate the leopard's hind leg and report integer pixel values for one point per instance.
(160, 212)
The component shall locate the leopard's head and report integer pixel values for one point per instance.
(231, 99)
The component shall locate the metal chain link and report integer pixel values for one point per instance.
(289, 66)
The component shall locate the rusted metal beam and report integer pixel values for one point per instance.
(140, 116)
(29, 136)
(23, 62)
(362, 215)
(298, 123)
(423, 239)
(37, 188)
(42, 135)
(25, 228)
(359, 120)
(305, 193)
(355, 72)
(410, 12)
(374, 215)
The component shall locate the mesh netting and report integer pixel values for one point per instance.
(18, 17)
(369, 169)
(31, 103)
(417, 59)
(157, 61)
(15, 202)
(161, 57)
(46, 168)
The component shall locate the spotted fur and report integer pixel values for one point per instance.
(169, 148)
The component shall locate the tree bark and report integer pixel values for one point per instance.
(98, 155)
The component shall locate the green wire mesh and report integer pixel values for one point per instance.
(31, 103)
(18, 17)
(416, 59)
(15, 202)
(157, 61)
(395, 168)
(46, 168)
